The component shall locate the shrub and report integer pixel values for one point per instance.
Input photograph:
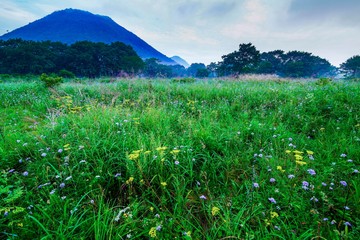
(50, 81)
(66, 74)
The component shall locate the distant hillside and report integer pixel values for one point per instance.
(71, 25)
(180, 61)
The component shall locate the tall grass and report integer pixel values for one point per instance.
(213, 159)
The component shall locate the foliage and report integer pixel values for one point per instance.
(352, 66)
(50, 81)
(84, 59)
(209, 159)
(66, 74)
(245, 60)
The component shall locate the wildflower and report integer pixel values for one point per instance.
(343, 155)
(188, 233)
(62, 185)
(274, 214)
(356, 171)
(147, 152)
(314, 199)
(161, 149)
(298, 152)
(151, 209)
(272, 200)
(130, 180)
(152, 232)
(136, 151)
(291, 176)
(272, 180)
(347, 224)
(311, 157)
(333, 222)
(82, 161)
(175, 151)
(346, 208)
(309, 152)
(25, 174)
(343, 183)
(325, 219)
(277, 228)
(158, 228)
(52, 192)
(256, 185)
(299, 157)
(97, 176)
(280, 168)
(43, 154)
(305, 185)
(92, 201)
(349, 160)
(157, 215)
(133, 156)
(117, 175)
(324, 184)
(288, 151)
(203, 197)
(163, 184)
(177, 162)
(63, 197)
(68, 178)
(215, 211)
(311, 172)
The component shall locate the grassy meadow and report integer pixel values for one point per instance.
(167, 159)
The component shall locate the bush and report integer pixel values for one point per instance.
(323, 81)
(66, 74)
(50, 81)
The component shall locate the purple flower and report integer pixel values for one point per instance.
(311, 172)
(43, 154)
(291, 176)
(272, 180)
(158, 228)
(324, 184)
(333, 222)
(11, 170)
(325, 219)
(314, 199)
(62, 185)
(203, 197)
(343, 183)
(272, 200)
(343, 155)
(25, 173)
(356, 171)
(177, 162)
(60, 150)
(305, 185)
(256, 185)
(347, 224)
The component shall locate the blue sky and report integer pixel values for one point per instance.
(204, 30)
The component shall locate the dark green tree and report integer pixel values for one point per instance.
(351, 66)
(197, 70)
(245, 60)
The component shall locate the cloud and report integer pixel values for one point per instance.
(325, 11)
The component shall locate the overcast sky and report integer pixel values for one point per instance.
(204, 30)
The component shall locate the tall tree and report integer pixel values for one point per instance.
(245, 60)
(352, 66)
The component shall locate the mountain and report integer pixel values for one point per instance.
(72, 25)
(180, 61)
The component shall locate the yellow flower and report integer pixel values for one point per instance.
(280, 168)
(163, 184)
(152, 232)
(274, 214)
(301, 163)
(147, 152)
(267, 223)
(297, 152)
(130, 180)
(298, 157)
(309, 152)
(142, 181)
(133, 156)
(151, 209)
(137, 151)
(215, 211)
(288, 151)
(161, 149)
(188, 233)
(175, 151)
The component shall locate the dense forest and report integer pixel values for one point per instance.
(84, 59)
(90, 59)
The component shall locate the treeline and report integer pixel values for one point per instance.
(90, 59)
(83, 59)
